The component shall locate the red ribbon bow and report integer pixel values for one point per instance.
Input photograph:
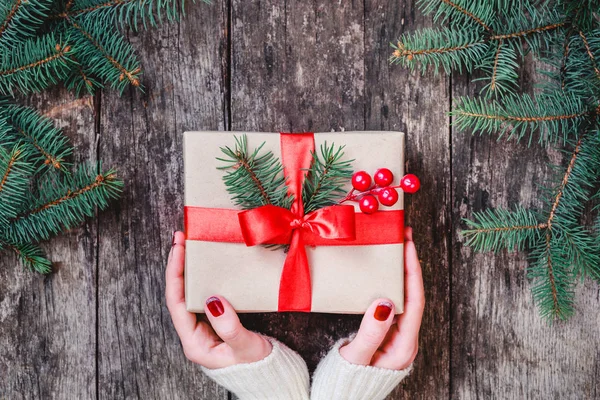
(335, 225)
(274, 225)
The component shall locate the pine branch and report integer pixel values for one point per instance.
(469, 41)
(553, 283)
(20, 19)
(62, 203)
(326, 178)
(35, 64)
(590, 54)
(527, 32)
(37, 134)
(501, 70)
(127, 12)
(494, 230)
(15, 172)
(459, 12)
(553, 115)
(105, 54)
(452, 49)
(82, 81)
(254, 179)
(31, 256)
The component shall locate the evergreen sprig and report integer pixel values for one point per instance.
(43, 43)
(45, 144)
(77, 42)
(494, 36)
(39, 194)
(493, 230)
(553, 116)
(254, 178)
(62, 203)
(326, 178)
(35, 64)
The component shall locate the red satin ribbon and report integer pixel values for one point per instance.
(335, 225)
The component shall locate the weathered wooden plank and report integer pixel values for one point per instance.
(139, 352)
(397, 99)
(298, 66)
(48, 322)
(500, 346)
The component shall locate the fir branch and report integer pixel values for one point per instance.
(81, 81)
(326, 178)
(459, 12)
(563, 184)
(500, 65)
(494, 230)
(15, 172)
(62, 203)
(35, 64)
(527, 32)
(31, 256)
(105, 54)
(495, 68)
(537, 26)
(21, 19)
(579, 70)
(552, 114)
(254, 179)
(38, 133)
(449, 48)
(590, 54)
(127, 13)
(553, 283)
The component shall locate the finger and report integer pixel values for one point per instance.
(184, 321)
(373, 330)
(414, 303)
(227, 325)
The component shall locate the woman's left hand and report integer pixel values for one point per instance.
(382, 342)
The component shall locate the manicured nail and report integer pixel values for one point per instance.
(383, 310)
(173, 239)
(215, 306)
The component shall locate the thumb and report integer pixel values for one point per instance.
(228, 327)
(373, 330)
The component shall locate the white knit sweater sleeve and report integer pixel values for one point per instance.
(337, 379)
(282, 375)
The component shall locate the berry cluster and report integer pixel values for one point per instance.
(369, 196)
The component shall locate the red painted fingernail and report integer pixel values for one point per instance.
(215, 306)
(383, 310)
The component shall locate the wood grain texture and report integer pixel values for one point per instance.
(298, 66)
(501, 348)
(139, 354)
(48, 322)
(398, 99)
(98, 326)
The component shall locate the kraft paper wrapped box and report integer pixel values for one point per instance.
(343, 278)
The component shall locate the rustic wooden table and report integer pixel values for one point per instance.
(98, 326)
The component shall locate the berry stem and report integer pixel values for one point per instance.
(351, 196)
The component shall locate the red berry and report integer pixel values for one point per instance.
(383, 177)
(410, 183)
(368, 204)
(388, 196)
(361, 181)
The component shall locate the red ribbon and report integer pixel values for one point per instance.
(335, 225)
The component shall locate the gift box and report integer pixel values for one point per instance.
(333, 260)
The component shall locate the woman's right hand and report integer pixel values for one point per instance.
(223, 341)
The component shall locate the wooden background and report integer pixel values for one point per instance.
(98, 326)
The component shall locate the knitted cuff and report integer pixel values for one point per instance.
(336, 378)
(281, 375)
